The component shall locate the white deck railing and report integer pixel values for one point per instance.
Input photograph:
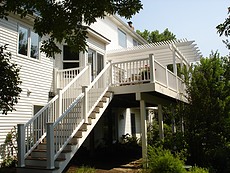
(34, 131)
(65, 76)
(144, 70)
(131, 72)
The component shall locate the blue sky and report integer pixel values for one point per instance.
(191, 19)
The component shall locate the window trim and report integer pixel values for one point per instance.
(29, 41)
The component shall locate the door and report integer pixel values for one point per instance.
(97, 62)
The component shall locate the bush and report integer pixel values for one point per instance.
(196, 169)
(162, 161)
(85, 169)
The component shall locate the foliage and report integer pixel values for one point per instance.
(196, 169)
(85, 169)
(67, 21)
(156, 36)
(9, 89)
(10, 149)
(163, 161)
(207, 116)
(224, 29)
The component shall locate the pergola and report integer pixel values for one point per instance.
(165, 52)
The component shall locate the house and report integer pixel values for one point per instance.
(64, 98)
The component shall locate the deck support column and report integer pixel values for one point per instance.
(143, 128)
(161, 124)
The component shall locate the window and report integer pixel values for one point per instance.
(122, 40)
(133, 124)
(70, 58)
(28, 43)
(135, 43)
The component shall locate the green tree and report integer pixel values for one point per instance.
(67, 20)
(224, 29)
(9, 88)
(156, 36)
(207, 116)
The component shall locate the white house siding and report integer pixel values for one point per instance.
(109, 29)
(36, 76)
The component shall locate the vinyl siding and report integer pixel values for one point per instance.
(109, 29)
(36, 76)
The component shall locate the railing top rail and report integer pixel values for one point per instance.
(99, 75)
(66, 112)
(75, 79)
(70, 69)
(139, 59)
(41, 110)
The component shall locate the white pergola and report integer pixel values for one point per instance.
(165, 52)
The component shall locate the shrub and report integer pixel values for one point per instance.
(85, 169)
(10, 149)
(196, 169)
(162, 161)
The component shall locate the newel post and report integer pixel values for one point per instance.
(21, 145)
(50, 146)
(89, 74)
(85, 103)
(152, 69)
(59, 113)
(55, 80)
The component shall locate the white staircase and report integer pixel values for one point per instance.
(48, 142)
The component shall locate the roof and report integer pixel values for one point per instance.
(163, 52)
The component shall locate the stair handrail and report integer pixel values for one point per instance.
(34, 131)
(68, 124)
(96, 90)
(101, 84)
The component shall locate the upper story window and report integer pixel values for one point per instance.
(70, 58)
(135, 42)
(122, 40)
(28, 43)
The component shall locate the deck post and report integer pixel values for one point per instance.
(21, 145)
(152, 68)
(85, 103)
(50, 146)
(174, 61)
(161, 124)
(143, 128)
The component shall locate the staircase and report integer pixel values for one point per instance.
(50, 139)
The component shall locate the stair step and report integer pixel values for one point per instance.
(84, 127)
(42, 146)
(30, 161)
(38, 153)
